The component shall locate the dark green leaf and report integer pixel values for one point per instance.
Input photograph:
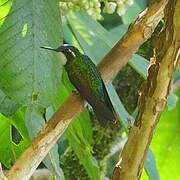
(30, 74)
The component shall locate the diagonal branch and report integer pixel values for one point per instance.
(153, 96)
(137, 34)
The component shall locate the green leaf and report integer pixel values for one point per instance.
(86, 126)
(140, 64)
(67, 33)
(118, 32)
(150, 165)
(52, 163)
(5, 6)
(18, 120)
(118, 106)
(172, 101)
(79, 142)
(35, 122)
(30, 74)
(5, 141)
(166, 143)
(177, 75)
(9, 151)
(7, 106)
(133, 11)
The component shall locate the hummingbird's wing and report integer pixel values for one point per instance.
(91, 87)
(102, 108)
(108, 101)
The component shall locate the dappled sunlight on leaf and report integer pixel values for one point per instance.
(5, 6)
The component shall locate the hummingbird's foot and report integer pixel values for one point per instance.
(75, 91)
(130, 123)
(85, 104)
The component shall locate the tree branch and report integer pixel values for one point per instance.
(153, 96)
(137, 34)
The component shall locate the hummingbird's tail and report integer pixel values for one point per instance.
(104, 114)
(102, 120)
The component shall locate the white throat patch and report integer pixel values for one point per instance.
(62, 58)
(73, 54)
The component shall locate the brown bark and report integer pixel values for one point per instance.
(153, 96)
(137, 34)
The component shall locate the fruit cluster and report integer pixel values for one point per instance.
(94, 7)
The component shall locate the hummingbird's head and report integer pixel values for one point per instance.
(65, 52)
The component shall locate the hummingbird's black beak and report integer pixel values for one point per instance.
(59, 49)
(49, 48)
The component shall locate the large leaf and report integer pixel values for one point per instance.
(35, 122)
(29, 74)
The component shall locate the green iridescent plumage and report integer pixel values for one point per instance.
(87, 80)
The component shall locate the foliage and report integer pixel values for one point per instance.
(33, 85)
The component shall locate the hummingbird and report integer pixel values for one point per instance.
(86, 78)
